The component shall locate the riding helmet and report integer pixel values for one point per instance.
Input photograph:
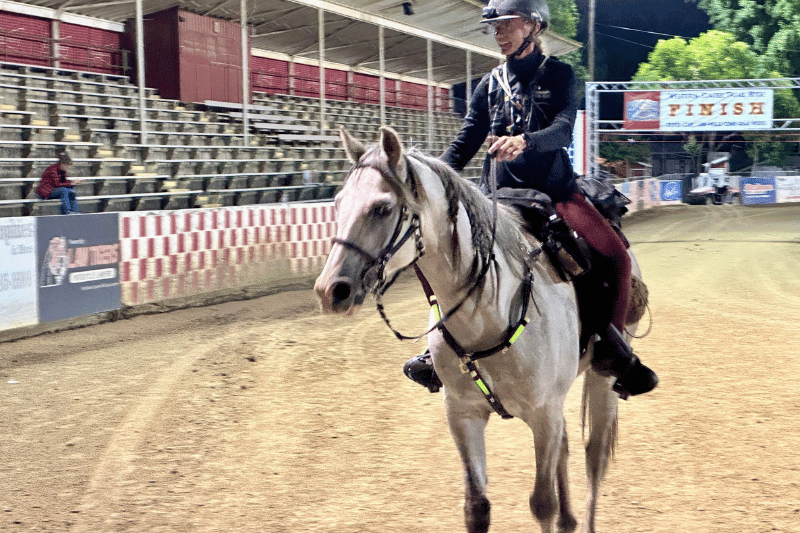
(535, 10)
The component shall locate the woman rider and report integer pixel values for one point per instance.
(527, 109)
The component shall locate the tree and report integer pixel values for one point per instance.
(621, 155)
(564, 19)
(770, 27)
(717, 55)
(713, 55)
(695, 150)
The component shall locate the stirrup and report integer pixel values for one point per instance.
(419, 369)
(613, 357)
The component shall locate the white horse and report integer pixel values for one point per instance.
(474, 259)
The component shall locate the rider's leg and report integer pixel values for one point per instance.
(612, 355)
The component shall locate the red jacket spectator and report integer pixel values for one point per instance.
(52, 178)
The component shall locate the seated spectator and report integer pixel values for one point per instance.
(55, 185)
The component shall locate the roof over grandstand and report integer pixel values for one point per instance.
(290, 28)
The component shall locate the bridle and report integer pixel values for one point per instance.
(379, 261)
(378, 289)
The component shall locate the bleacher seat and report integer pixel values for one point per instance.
(194, 154)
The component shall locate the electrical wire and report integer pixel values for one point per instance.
(642, 31)
(626, 40)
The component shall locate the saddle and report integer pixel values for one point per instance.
(571, 256)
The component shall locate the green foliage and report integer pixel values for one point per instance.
(620, 151)
(770, 27)
(564, 19)
(713, 55)
(695, 151)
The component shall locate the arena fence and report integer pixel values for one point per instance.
(57, 268)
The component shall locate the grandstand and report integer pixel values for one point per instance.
(195, 156)
(68, 80)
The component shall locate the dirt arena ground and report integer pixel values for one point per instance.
(265, 416)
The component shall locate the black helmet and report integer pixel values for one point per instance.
(535, 10)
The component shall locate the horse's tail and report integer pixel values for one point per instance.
(599, 413)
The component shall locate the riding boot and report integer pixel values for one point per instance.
(420, 370)
(614, 357)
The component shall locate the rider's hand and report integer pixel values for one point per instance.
(507, 148)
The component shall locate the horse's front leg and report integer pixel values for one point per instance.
(467, 429)
(548, 434)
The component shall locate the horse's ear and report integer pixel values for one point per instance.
(352, 147)
(391, 145)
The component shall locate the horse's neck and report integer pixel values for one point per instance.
(486, 312)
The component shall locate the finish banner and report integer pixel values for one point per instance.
(716, 110)
(699, 110)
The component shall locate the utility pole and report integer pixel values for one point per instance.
(591, 39)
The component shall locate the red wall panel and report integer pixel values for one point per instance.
(335, 84)
(24, 39)
(91, 49)
(191, 57)
(306, 80)
(270, 76)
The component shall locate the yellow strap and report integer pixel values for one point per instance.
(518, 332)
(437, 313)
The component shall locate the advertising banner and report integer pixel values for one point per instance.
(787, 188)
(671, 191)
(17, 272)
(577, 150)
(641, 110)
(758, 191)
(78, 265)
(716, 110)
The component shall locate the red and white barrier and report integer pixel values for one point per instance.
(168, 254)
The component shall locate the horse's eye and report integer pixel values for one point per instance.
(381, 211)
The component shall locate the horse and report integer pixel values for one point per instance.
(399, 208)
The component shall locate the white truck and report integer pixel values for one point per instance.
(715, 188)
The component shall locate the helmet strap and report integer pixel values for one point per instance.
(528, 40)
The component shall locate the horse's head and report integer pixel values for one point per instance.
(372, 216)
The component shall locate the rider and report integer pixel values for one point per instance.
(527, 108)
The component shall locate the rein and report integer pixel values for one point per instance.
(468, 360)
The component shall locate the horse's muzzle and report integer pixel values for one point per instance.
(339, 295)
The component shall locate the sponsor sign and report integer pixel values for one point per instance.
(716, 109)
(758, 191)
(77, 265)
(670, 190)
(787, 188)
(641, 110)
(17, 272)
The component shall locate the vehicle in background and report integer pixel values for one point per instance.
(715, 188)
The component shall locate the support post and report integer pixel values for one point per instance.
(140, 72)
(321, 24)
(245, 74)
(381, 70)
(429, 47)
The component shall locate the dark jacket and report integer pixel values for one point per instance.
(547, 95)
(52, 178)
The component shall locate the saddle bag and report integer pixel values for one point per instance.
(568, 252)
(607, 200)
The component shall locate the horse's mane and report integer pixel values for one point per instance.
(480, 210)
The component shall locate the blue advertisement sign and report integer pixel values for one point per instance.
(78, 265)
(671, 191)
(758, 191)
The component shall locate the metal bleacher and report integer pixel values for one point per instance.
(194, 154)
